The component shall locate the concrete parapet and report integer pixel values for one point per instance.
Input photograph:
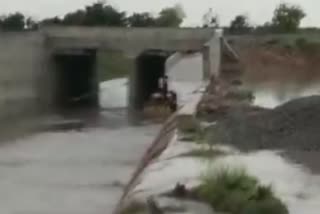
(186, 117)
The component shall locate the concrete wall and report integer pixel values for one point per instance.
(21, 63)
(127, 39)
(27, 80)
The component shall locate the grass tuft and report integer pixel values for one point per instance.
(234, 191)
(134, 207)
(203, 153)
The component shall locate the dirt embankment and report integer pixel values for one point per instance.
(281, 58)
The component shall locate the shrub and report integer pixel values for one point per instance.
(236, 192)
(203, 153)
(301, 43)
(272, 42)
(134, 207)
(309, 47)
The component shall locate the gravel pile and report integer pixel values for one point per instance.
(294, 125)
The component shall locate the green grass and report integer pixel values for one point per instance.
(203, 153)
(135, 207)
(235, 192)
(113, 65)
(295, 42)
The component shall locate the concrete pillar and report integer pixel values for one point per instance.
(206, 63)
(212, 57)
(133, 104)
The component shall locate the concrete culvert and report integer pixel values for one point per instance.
(76, 85)
(150, 68)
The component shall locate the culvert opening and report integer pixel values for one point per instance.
(76, 85)
(150, 68)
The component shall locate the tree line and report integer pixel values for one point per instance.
(98, 14)
(286, 19)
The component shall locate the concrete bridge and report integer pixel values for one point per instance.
(42, 71)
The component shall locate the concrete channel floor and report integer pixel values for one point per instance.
(70, 172)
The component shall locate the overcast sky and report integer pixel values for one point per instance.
(259, 11)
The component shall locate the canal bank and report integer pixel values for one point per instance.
(203, 145)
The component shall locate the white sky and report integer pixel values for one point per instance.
(259, 11)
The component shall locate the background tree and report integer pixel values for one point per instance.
(31, 24)
(13, 22)
(51, 21)
(1, 21)
(265, 28)
(96, 14)
(141, 20)
(75, 18)
(171, 16)
(101, 13)
(287, 18)
(240, 24)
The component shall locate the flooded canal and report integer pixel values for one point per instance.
(70, 171)
(272, 94)
(82, 171)
(293, 172)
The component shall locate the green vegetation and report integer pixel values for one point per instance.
(17, 22)
(170, 17)
(113, 65)
(299, 42)
(286, 19)
(203, 153)
(135, 207)
(141, 20)
(99, 13)
(240, 24)
(307, 46)
(234, 191)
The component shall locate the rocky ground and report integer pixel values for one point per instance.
(292, 127)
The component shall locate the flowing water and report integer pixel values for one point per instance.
(294, 175)
(82, 170)
(70, 171)
(275, 93)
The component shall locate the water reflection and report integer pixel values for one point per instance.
(270, 95)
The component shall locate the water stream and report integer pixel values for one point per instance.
(74, 172)
(297, 179)
(83, 170)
